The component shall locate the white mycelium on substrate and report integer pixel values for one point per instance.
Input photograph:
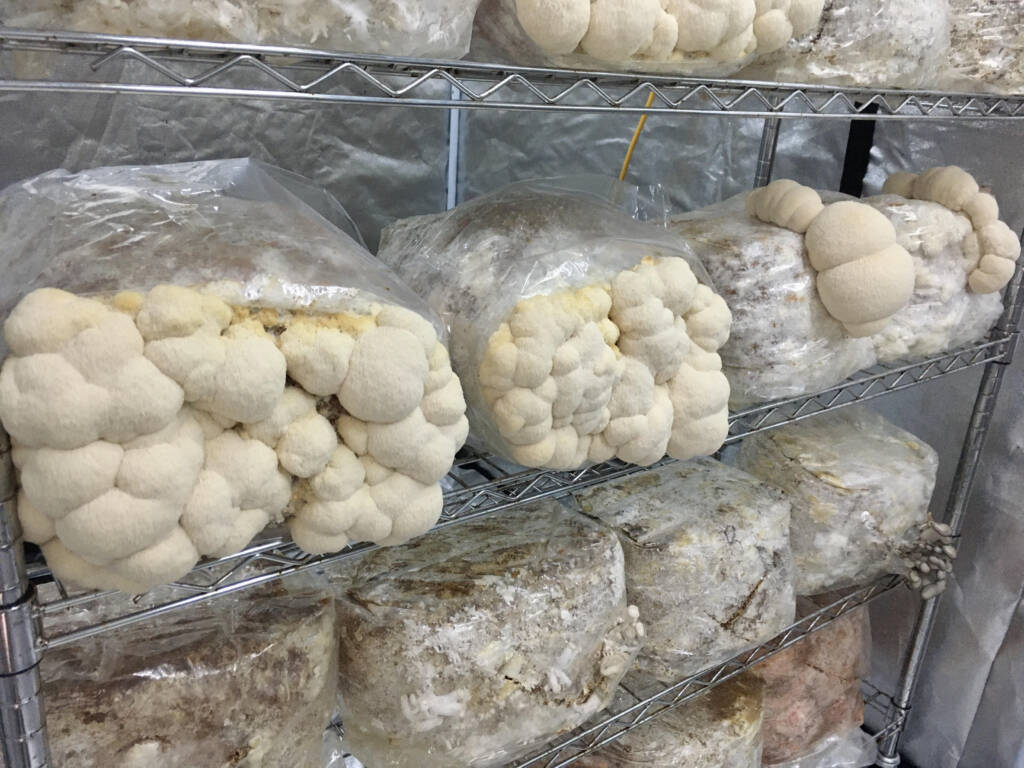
(992, 248)
(152, 429)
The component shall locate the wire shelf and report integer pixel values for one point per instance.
(653, 704)
(884, 705)
(155, 66)
(477, 485)
(867, 385)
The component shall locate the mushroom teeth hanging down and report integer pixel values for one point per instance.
(150, 430)
(864, 276)
(658, 30)
(626, 369)
(992, 247)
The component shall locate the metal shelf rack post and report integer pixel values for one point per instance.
(956, 513)
(22, 717)
(30, 604)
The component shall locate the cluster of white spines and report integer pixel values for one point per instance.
(864, 275)
(152, 429)
(609, 371)
(786, 204)
(618, 30)
(992, 248)
(404, 421)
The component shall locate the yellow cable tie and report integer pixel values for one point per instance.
(636, 138)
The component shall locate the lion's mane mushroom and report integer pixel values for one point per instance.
(992, 248)
(233, 371)
(864, 275)
(556, 27)
(603, 371)
(403, 421)
(152, 429)
(665, 30)
(620, 29)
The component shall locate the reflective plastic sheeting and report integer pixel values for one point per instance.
(700, 160)
(969, 709)
(381, 163)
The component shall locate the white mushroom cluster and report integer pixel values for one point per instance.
(150, 430)
(627, 369)
(992, 248)
(665, 30)
(930, 560)
(864, 275)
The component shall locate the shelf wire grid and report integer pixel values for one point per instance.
(182, 67)
(612, 726)
(478, 485)
(885, 706)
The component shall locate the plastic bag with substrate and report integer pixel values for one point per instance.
(248, 680)
(853, 749)
(580, 334)
(783, 341)
(859, 488)
(708, 562)
(194, 340)
(277, 235)
(422, 28)
(987, 47)
(943, 313)
(641, 35)
(721, 729)
(812, 692)
(473, 645)
(869, 43)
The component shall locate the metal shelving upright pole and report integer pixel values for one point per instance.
(766, 154)
(22, 716)
(956, 511)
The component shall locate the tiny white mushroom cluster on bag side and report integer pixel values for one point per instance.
(626, 369)
(666, 30)
(992, 248)
(152, 429)
(864, 276)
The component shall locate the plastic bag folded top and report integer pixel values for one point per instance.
(470, 647)
(707, 561)
(812, 692)
(859, 488)
(869, 43)
(580, 334)
(250, 675)
(424, 28)
(202, 352)
(721, 729)
(690, 37)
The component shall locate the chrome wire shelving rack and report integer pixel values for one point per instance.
(654, 700)
(161, 67)
(478, 485)
(34, 608)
